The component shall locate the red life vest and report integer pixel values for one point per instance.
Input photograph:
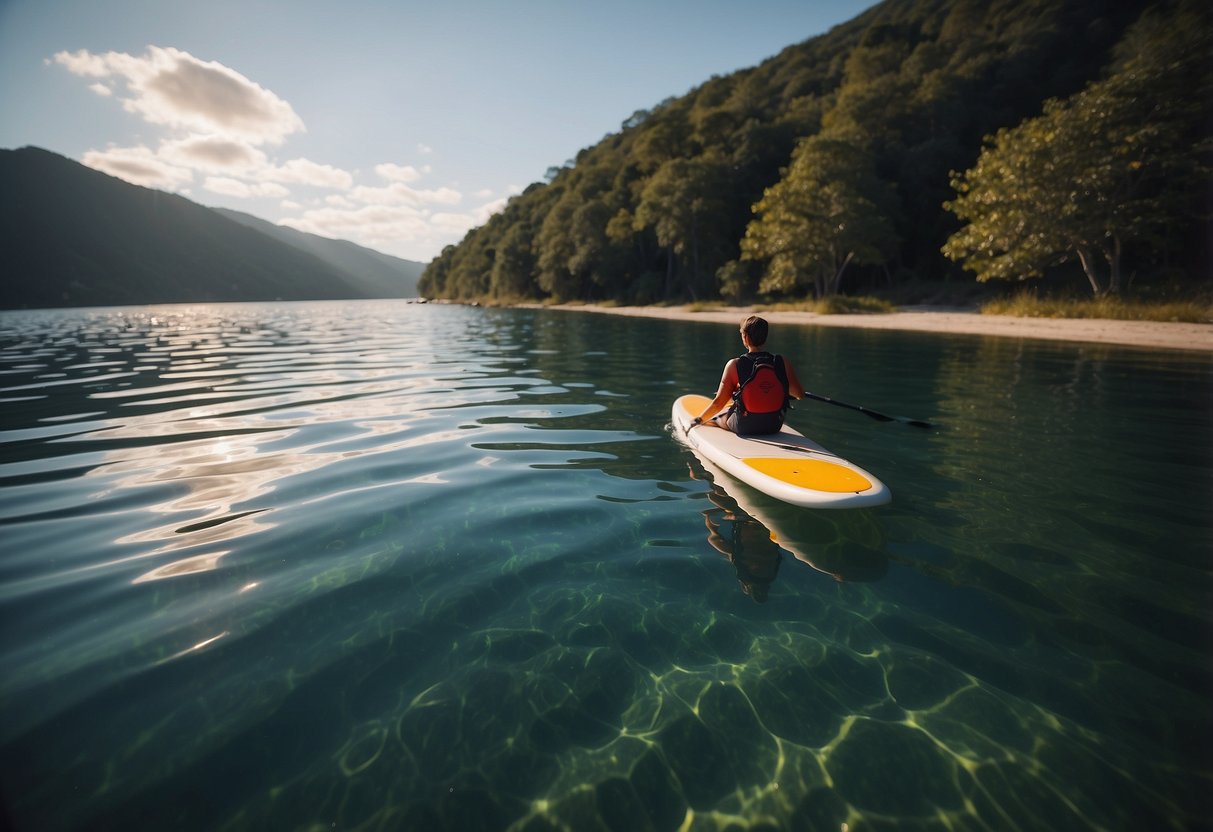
(761, 397)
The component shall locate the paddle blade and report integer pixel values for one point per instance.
(879, 417)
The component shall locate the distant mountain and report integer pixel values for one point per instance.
(380, 275)
(73, 236)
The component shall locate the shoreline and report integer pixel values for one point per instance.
(1148, 334)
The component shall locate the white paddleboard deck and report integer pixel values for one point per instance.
(786, 465)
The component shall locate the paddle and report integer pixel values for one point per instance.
(880, 417)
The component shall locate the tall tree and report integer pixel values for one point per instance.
(555, 248)
(432, 283)
(829, 210)
(513, 274)
(683, 202)
(1119, 163)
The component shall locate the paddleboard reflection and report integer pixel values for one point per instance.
(754, 533)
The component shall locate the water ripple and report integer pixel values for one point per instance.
(394, 565)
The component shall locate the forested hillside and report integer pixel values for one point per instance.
(834, 166)
(73, 236)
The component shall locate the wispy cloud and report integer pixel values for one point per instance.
(214, 154)
(243, 190)
(224, 128)
(173, 88)
(398, 173)
(400, 194)
(140, 166)
(372, 224)
(305, 172)
(481, 215)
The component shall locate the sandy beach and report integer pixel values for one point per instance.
(1149, 334)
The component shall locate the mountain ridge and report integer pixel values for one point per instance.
(376, 269)
(75, 236)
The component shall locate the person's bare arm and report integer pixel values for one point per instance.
(795, 388)
(724, 394)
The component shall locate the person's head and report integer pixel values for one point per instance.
(754, 330)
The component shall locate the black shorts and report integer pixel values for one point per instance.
(750, 424)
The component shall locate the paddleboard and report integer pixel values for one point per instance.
(787, 465)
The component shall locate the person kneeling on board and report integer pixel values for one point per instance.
(756, 385)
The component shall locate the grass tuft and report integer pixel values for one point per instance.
(834, 305)
(707, 306)
(1029, 305)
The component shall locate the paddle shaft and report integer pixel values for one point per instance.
(882, 417)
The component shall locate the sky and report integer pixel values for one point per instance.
(396, 125)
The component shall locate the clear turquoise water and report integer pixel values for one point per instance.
(391, 566)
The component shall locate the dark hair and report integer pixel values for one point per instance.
(755, 329)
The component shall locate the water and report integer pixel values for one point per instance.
(391, 566)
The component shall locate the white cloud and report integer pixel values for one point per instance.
(398, 173)
(214, 154)
(484, 194)
(452, 224)
(172, 88)
(401, 194)
(234, 187)
(140, 166)
(424, 149)
(101, 89)
(368, 223)
(406, 230)
(271, 189)
(488, 209)
(84, 63)
(305, 172)
(227, 187)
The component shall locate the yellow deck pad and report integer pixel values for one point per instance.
(811, 473)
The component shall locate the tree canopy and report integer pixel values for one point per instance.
(828, 166)
(1121, 164)
(828, 211)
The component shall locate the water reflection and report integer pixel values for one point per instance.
(185, 566)
(749, 545)
(754, 531)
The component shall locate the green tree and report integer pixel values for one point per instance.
(1121, 162)
(468, 278)
(736, 281)
(829, 210)
(555, 249)
(662, 137)
(683, 202)
(513, 271)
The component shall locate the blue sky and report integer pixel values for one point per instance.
(397, 125)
